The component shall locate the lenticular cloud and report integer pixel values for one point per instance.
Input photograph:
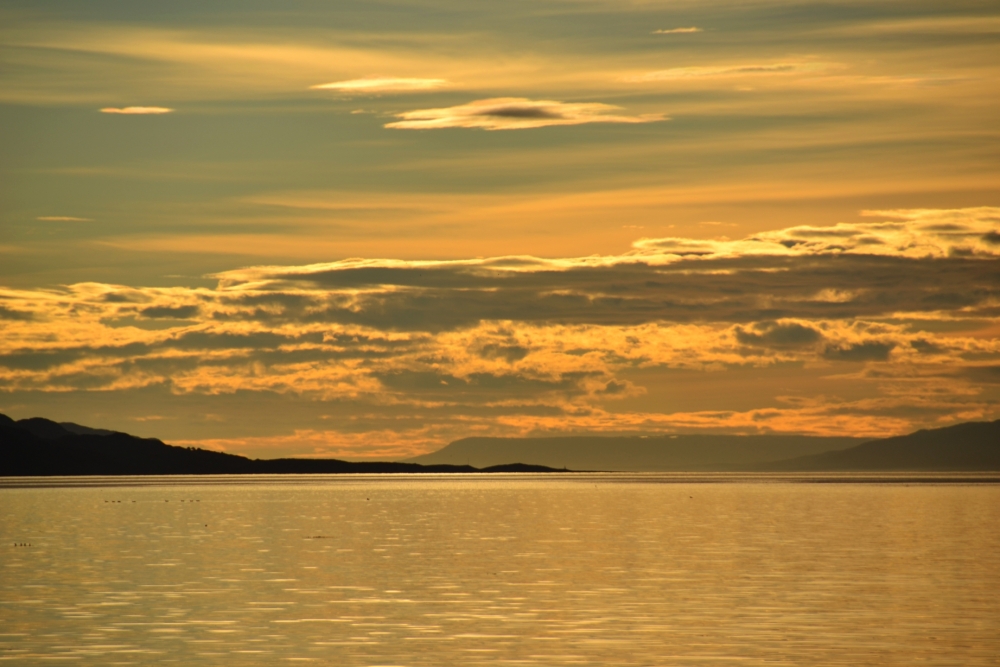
(137, 111)
(514, 113)
(677, 31)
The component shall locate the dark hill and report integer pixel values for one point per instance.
(43, 447)
(972, 446)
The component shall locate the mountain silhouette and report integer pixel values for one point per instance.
(39, 446)
(660, 453)
(43, 447)
(971, 446)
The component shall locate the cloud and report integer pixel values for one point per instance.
(915, 233)
(927, 25)
(514, 113)
(375, 85)
(114, 61)
(137, 111)
(62, 218)
(9, 314)
(178, 312)
(682, 73)
(896, 311)
(778, 335)
(676, 31)
(868, 351)
(850, 270)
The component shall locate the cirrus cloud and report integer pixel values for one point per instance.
(137, 111)
(677, 31)
(514, 113)
(682, 73)
(378, 84)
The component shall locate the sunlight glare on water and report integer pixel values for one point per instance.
(522, 569)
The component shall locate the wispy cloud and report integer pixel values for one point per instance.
(137, 111)
(129, 62)
(376, 85)
(62, 218)
(676, 31)
(515, 113)
(679, 73)
(925, 25)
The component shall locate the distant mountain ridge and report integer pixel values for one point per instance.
(43, 447)
(970, 446)
(663, 453)
(50, 430)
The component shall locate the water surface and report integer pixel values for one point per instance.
(502, 569)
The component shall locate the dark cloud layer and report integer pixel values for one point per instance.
(930, 262)
(868, 351)
(735, 290)
(773, 334)
(179, 312)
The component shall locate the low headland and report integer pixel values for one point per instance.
(41, 447)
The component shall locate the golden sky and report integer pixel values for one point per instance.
(364, 229)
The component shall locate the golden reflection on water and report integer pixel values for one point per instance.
(598, 570)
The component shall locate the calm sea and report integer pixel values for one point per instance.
(493, 570)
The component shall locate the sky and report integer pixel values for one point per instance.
(365, 229)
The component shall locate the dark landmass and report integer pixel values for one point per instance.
(968, 447)
(666, 453)
(46, 448)
(40, 447)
